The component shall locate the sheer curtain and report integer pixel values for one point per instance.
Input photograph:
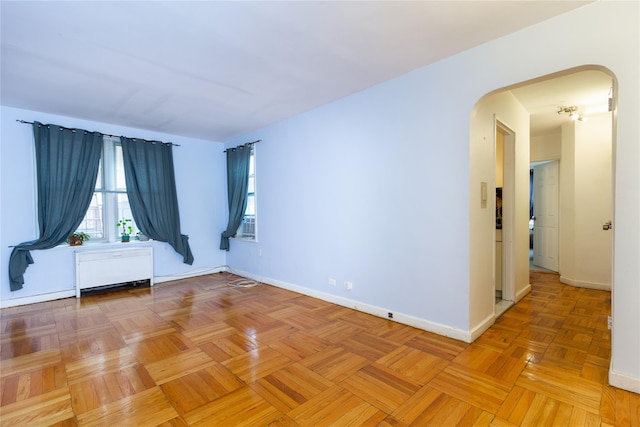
(67, 168)
(151, 188)
(237, 182)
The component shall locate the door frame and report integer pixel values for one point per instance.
(508, 208)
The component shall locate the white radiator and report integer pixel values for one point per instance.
(112, 266)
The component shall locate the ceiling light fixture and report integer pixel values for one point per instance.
(572, 112)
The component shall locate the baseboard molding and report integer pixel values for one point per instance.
(188, 274)
(523, 292)
(33, 299)
(624, 382)
(585, 284)
(405, 319)
(482, 327)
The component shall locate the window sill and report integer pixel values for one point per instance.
(245, 239)
(103, 245)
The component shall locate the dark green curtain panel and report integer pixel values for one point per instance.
(67, 167)
(151, 187)
(237, 182)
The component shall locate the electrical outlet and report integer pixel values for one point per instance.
(332, 282)
(609, 322)
(259, 252)
(348, 285)
(390, 315)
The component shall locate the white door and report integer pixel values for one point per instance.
(545, 211)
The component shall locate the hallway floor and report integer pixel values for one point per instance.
(206, 352)
(533, 267)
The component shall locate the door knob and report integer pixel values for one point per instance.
(607, 226)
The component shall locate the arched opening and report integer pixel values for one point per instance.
(533, 114)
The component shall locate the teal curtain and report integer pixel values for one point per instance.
(67, 163)
(151, 187)
(237, 182)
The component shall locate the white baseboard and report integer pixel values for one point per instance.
(33, 299)
(584, 284)
(482, 327)
(188, 274)
(619, 380)
(405, 319)
(523, 292)
(402, 318)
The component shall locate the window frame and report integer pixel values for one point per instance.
(251, 217)
(107, 184)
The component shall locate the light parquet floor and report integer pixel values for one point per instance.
(198, 352)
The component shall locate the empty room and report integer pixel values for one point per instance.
(320, 213)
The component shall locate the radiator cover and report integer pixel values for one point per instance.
(112, 266)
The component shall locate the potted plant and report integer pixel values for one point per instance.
(141, 237)
(77, 238)
(126, 229)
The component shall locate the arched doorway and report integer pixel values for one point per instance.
(524, 109)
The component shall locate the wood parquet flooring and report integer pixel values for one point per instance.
(198, 352)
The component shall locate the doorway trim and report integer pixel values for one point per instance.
(486, 112)
(508, 207)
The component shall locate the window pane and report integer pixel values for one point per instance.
(124, 212)
(251, 205)
(110, 202)
(252, 164)
(119, 165)
(93, 221)
(248, 226)
(99, 184)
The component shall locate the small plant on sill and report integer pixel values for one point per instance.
(125, 229)
(77, 238)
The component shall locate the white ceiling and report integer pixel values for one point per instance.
(587, 90)
(217, 69)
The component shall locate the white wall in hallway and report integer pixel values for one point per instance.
(586, 249)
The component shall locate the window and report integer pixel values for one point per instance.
(110, 202)
(247, 229)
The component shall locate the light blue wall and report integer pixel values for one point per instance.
(200, 181)
(375, 188)
(367, 189)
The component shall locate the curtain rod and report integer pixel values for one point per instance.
(241, 146)
(104, 134)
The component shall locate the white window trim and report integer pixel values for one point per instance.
(109, 196)
(255, 203)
